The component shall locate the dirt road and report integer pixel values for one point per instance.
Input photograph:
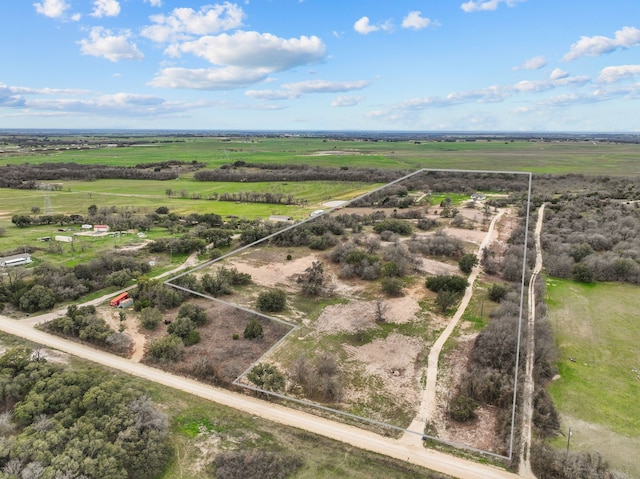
(433, 460)
(428, 404)
(527, 393)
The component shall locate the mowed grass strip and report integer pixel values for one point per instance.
(597, 331)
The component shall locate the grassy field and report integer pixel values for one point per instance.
(538, 156)
(597, 329)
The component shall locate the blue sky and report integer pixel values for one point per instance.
(465, 65)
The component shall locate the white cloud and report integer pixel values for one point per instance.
(229, 78)
(114, 47)
(253, 50)
(186, 22)
(323, 86)
(364, 26)
(558, 74)
(614, 74)
(154, 3)
(534, 63)
(105, 8)
(416, 21)
(487, 5)
(295, 90)
(272, 94)
(52, 8)
(598, 45)
(346, 100)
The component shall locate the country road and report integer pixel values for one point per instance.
(527, 393)
(434, 460)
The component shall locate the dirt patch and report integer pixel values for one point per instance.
(131, 328)
(394, 360)
(362, 315)
(275, 271)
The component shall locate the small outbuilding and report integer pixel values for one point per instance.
(15, 260)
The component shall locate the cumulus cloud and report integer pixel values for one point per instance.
(487, 5)
(229, 78)
(363, 26)
(253, 50)
(614, 74)
(625, 38)
(534, 63)
(106, 44)
(346, 101)
(416, 21)
(184, 23)
(52, 8)
(106, 8)
(154, 3)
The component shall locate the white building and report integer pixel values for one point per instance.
(15, 260)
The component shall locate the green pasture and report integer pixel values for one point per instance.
(535, 156)
(597, 329)
(143, 197)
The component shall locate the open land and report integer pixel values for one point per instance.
(380, 361)
(597, 329)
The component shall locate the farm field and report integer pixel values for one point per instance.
(550, 157)
(597, 329)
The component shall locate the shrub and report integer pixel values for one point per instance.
(181, 327)
(253, 330)
(462, 408)
(255, 464)
(195, 313)
(271, 301)
(497, 292)
(392, 286)
(166, 349)
(582, 273)
(266, 377)
(396, 226)
(150, 318)
(454, 283)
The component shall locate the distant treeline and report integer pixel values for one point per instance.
(30, 176)
(242, 171)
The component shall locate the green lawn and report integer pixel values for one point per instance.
(598, 331)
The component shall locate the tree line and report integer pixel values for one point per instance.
(29, 176)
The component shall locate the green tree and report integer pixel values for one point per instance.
(445, 299)
(37, 298)
(467, 262)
